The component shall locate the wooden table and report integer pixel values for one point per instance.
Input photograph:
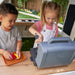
(27, 68)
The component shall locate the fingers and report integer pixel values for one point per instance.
(38, 40)
(8, 56)
(18, 54)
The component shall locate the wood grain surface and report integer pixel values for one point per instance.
(27, 68)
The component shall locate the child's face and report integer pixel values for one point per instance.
(8, 21)
(50, 17)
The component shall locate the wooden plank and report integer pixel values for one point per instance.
(24, 23)
(23, 28)
(27, 68)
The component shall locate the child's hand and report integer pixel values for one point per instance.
(40, 39)
(7, 55)
(18, 54)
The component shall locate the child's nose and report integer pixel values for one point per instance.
(51, 21)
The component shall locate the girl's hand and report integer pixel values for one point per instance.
(7, 55)
(40, 39)
(18, 54)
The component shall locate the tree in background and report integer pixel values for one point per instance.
(24, 2)
(21, 3)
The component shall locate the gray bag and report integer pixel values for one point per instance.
(57, 52)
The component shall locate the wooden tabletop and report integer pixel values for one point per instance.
(27, 68)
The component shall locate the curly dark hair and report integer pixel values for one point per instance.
(6, 8)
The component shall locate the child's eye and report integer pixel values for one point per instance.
(53, 18)
(10, 21)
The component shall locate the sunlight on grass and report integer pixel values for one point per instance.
(25, 16)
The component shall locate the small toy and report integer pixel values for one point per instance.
(14, 61)
(13, 56)
(16, 56)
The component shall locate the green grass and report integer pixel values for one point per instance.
(27, 43)
(25, 16)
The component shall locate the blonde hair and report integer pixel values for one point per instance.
(52, 6)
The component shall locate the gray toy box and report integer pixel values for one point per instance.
(57, 52)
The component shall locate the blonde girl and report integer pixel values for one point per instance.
(47, 28)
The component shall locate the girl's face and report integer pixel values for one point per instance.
(8, 21)
(50, 16)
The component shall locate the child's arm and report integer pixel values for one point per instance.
(33, 30)
(18, 51)
(6, 54)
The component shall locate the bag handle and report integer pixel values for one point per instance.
(59, 39)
